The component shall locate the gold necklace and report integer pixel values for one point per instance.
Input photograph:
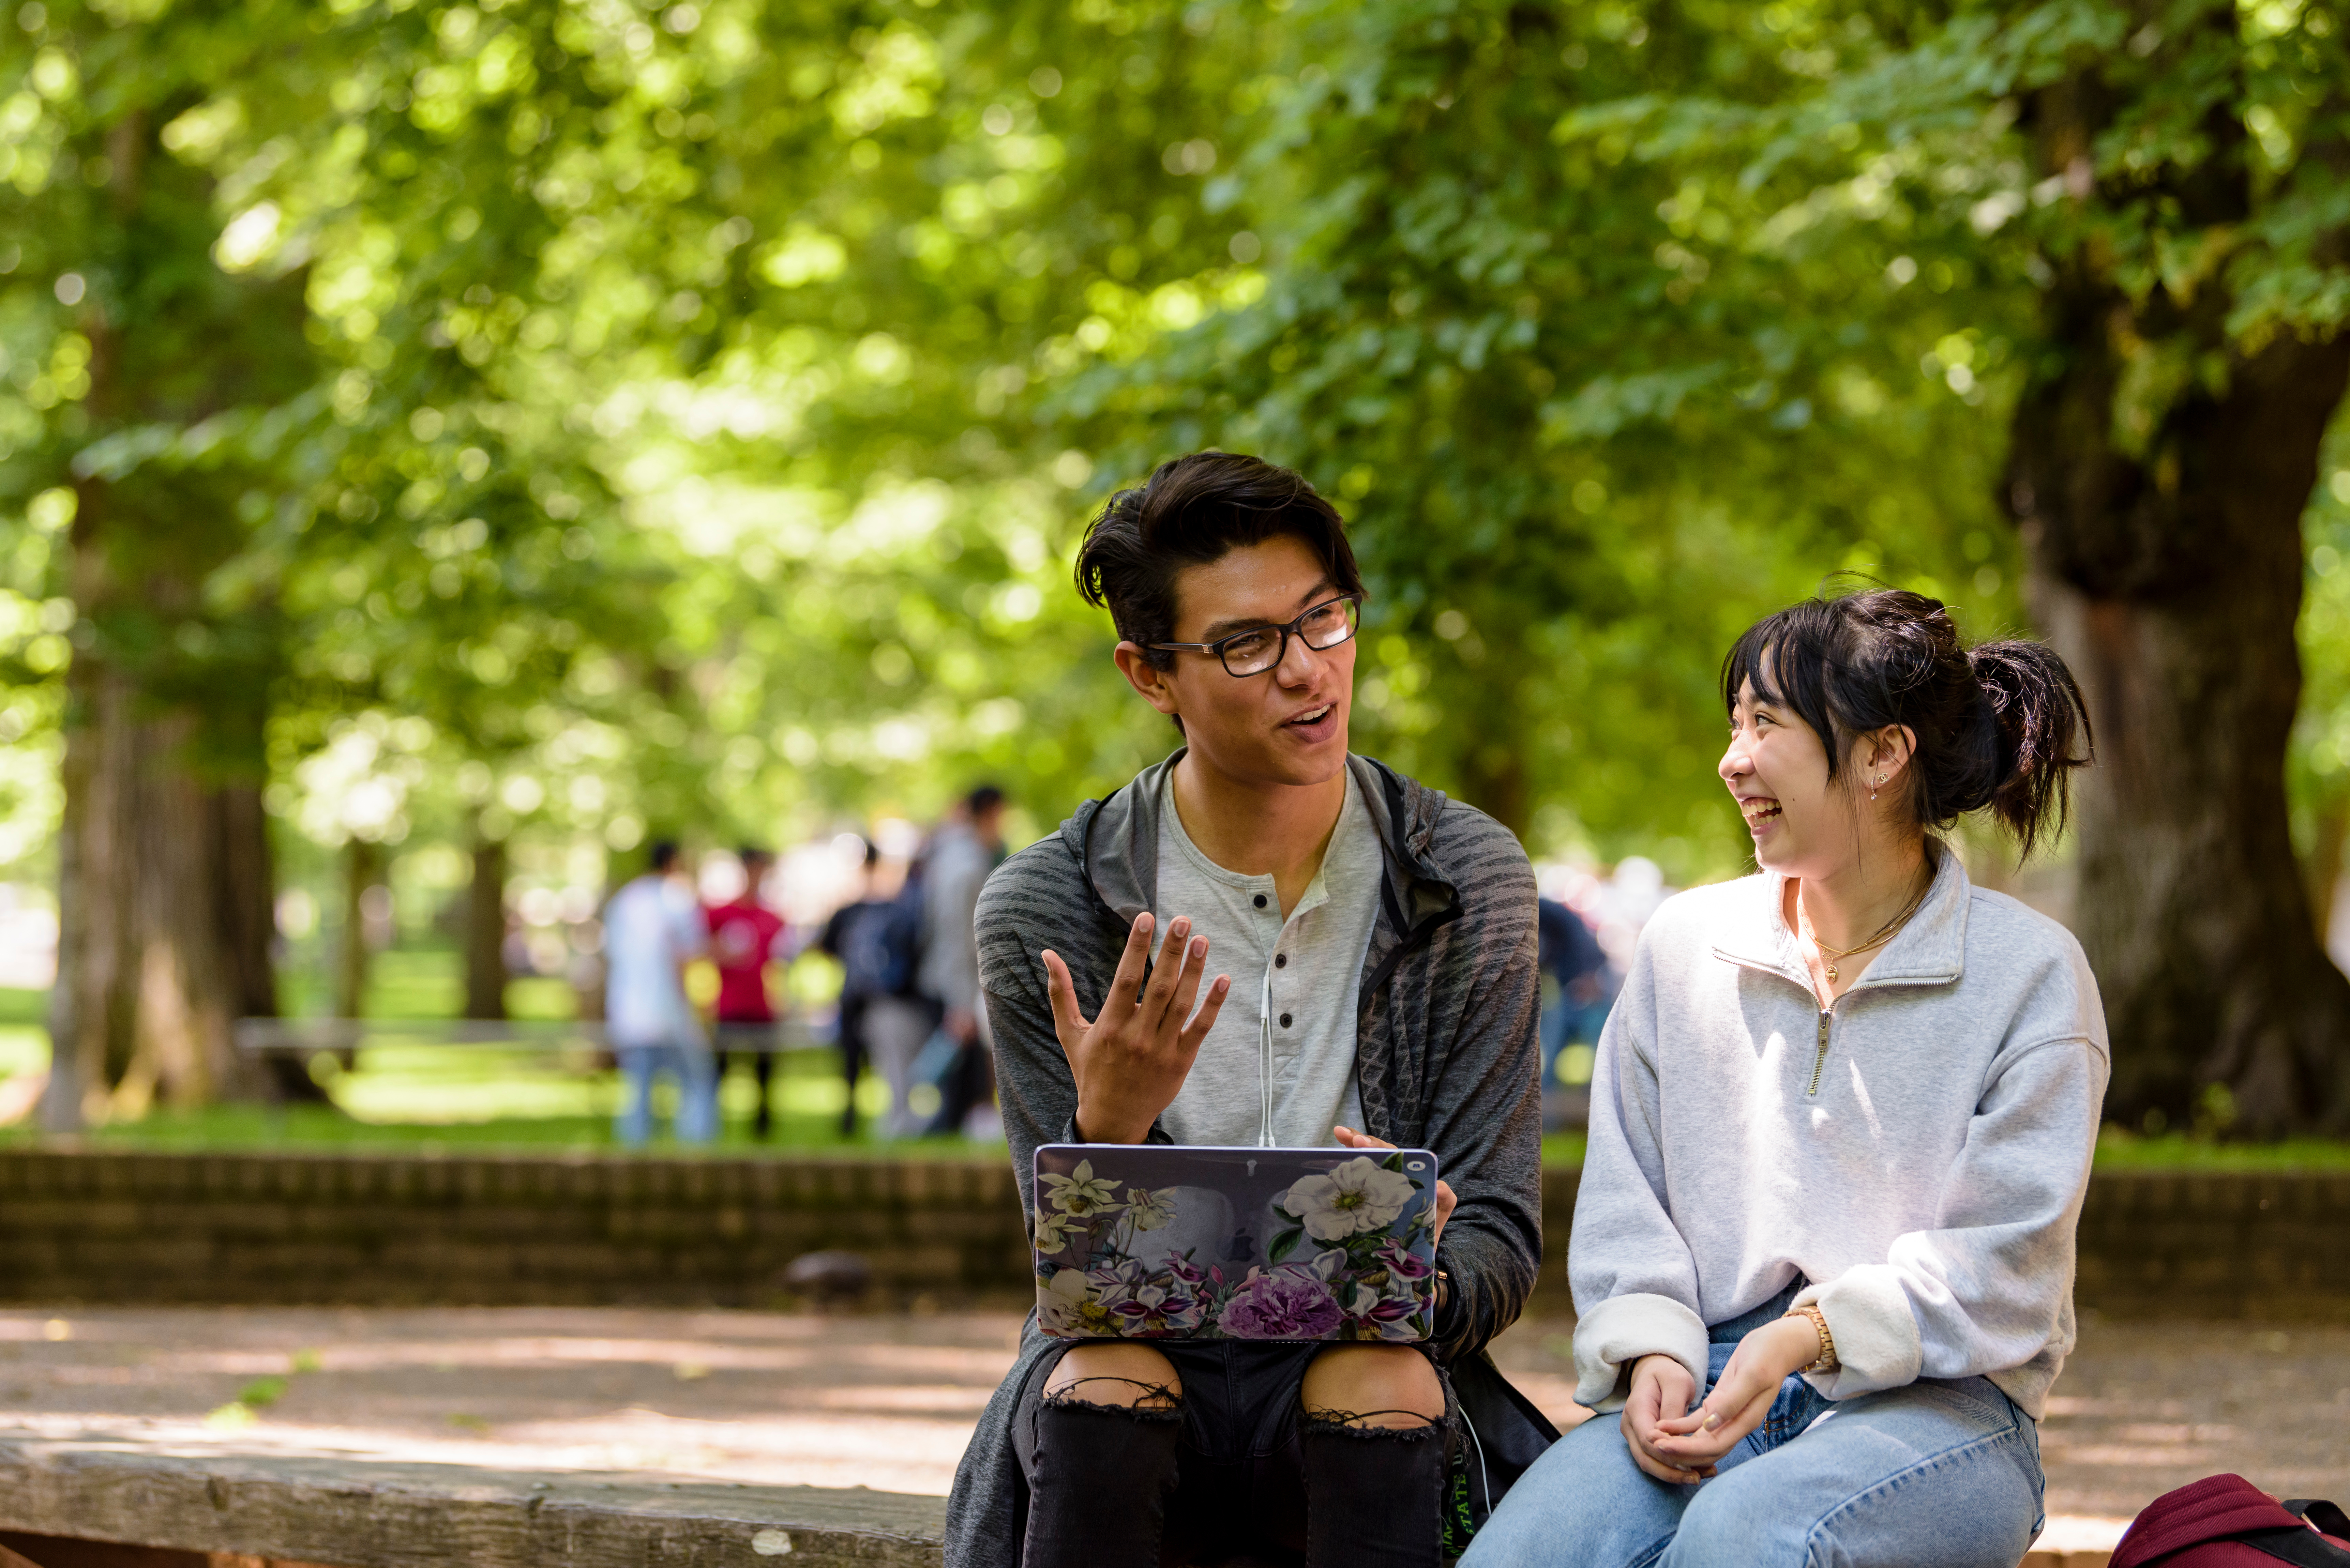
(1885, 933)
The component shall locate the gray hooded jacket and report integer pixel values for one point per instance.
(1445, 1060)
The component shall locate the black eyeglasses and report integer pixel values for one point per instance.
(1260, 647)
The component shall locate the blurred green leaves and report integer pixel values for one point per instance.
(685, 413)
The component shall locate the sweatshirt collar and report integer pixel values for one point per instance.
(1116, 840)
(1929, 951)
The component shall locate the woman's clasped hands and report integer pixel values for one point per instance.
(1673, 1442)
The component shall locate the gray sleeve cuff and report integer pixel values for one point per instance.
(1877, 1337)
(1622, 1329)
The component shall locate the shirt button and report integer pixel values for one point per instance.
(1284, 1021)
(1281, 961)
(1260, 900)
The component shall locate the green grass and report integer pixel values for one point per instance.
(417, 1100)
(2121, 1150)
(1563, 1148)
(411, 1098)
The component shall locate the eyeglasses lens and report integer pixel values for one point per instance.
(1253, 653)
(1329, 625)
(1325, 627)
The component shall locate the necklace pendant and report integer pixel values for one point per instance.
(1832, 974)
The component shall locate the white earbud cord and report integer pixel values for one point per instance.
(1264, 1058)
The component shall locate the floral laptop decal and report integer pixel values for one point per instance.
(1158, 1241)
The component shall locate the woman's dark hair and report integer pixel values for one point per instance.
(1189, 513)
(1996, 725)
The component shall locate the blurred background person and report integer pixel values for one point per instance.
(968, 846)
(1573, 960)
(883, 1019)
(745, 936)
(1577, 988)
(652, 930)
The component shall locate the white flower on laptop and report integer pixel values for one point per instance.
(1080, 1193)
(1054, 1228)
(1149, 1210)
(1065, 1306)
(1354, 1198)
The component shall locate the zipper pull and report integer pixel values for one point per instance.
(1819, 1055)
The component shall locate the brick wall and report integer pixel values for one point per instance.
(286, 1227)
(2272, 1246)
(283, 1228)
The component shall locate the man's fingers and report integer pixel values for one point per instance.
(1126, 985)
(1187, 985)
(1167, 974)
(1067, 1021)
(1205, 1020)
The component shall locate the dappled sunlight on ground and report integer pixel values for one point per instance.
(889, 1401)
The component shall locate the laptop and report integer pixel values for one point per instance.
(1164, 1241)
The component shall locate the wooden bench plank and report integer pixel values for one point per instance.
(361, 1513)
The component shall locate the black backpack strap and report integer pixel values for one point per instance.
(2327, 1516)
(2302, 1547)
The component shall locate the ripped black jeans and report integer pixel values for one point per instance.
(1232, 1468)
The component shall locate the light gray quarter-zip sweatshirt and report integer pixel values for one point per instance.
(1918, 1153)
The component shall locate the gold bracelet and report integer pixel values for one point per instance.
(1827, 1361)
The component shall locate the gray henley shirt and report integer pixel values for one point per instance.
(1314, 961)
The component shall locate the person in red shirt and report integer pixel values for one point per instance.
(743, 936)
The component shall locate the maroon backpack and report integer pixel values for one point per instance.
(2226, 1522)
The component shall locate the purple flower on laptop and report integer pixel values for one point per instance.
(1377, 1315)
(1160, 1305)
(1402, 1262)
(1354, 1198)
(1288, 1303)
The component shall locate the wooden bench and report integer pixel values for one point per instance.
(88, 1502)
(91, 1503)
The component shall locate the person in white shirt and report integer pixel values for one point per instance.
(1840, 1125)
(653, 929)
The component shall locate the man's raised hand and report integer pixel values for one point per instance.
(1129, 1062)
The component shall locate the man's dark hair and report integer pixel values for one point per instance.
(750, 852)
(661, 855)
(1189, 513)
(983, 800)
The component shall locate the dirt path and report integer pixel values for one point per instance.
(888, 1402)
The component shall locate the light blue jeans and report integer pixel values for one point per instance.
(697, 1091)
(1936, 1475)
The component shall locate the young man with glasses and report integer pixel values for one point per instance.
(1262, 940)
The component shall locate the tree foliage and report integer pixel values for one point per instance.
(681, 416)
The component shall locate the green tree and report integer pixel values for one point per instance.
(154, 371)
(2117, 227)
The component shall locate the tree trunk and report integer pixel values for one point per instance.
(2164, 542)
(92, 1006)
(2324, 873)
(363, 870)
(486, 931)
(245, 910)
(164, 885)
